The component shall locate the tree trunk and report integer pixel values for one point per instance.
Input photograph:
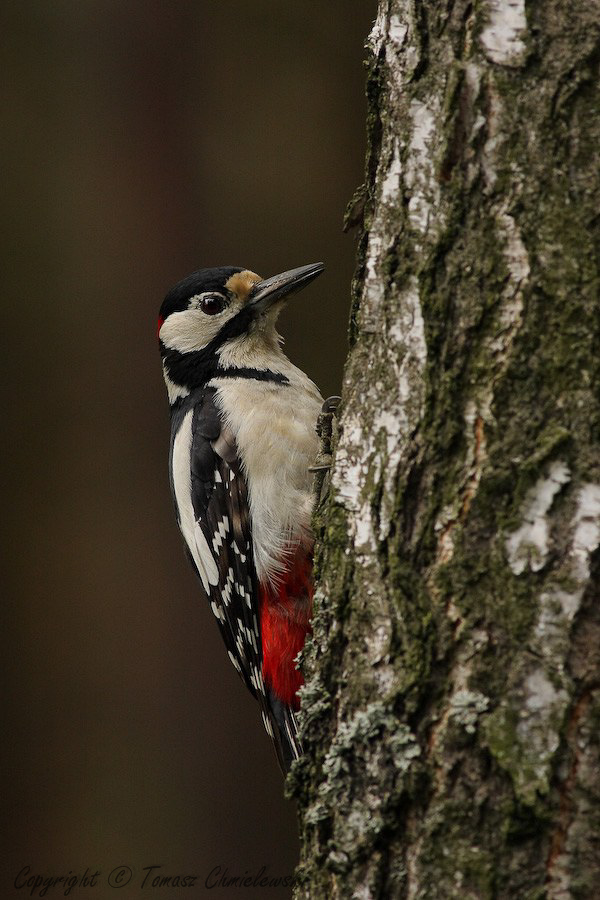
(452, 705)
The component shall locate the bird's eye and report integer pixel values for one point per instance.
(211, 304)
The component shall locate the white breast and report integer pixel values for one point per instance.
(274, 426)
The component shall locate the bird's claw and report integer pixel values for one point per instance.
(326, 429)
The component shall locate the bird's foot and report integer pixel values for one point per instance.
(327, 431)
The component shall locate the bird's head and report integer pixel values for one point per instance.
(222, 319)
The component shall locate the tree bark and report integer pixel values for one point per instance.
(452, 706)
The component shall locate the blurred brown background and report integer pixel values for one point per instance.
(143, 140)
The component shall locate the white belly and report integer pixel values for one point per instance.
(274, 426)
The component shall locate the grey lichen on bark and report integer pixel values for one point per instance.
(452, 698)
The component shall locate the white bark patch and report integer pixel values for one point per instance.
(390, 186)
(527, 547)
(408, 335)
(372, 450)
(543, 692)
(420, 175)
(559, 606)
(379, 241)
(352, 465)
(538, 730)
(397, 30)
(347, 474)
(502, 37)
(373, 291)
(587, 529)
(356, 463)
(540, 693)
(401, 49)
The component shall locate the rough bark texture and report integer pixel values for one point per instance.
(452, 705)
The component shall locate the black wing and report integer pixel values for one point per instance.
(221, 508)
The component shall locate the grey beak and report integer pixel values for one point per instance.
(267, 292)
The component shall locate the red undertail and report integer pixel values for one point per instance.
(285, 612)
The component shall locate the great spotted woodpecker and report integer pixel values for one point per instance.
(243, 436)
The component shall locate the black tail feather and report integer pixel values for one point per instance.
(284, 726)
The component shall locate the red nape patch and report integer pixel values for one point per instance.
(159, 326)
(285, 613)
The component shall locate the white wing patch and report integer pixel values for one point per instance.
(222, 530)
(207, 560)
(182, 483)
(226, 593)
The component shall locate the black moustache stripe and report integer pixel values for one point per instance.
(255, 374)
(195, 369)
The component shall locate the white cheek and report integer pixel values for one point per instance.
(190, 330)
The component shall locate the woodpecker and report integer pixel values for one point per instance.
(243, 436)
